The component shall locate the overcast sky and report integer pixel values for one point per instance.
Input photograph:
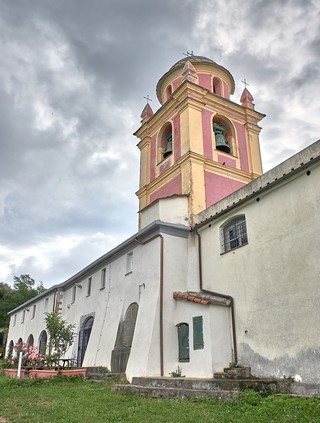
(73, 76)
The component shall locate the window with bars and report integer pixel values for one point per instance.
(235, 233)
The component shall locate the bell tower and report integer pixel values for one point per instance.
(199, 145)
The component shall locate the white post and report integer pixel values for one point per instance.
(19, 364)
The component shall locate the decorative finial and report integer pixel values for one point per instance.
(245, 83)
(189, 53)
(147, 98)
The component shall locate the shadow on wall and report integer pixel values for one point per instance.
(305, 364)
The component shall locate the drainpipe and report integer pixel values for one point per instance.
(161, 295)
(217, 294)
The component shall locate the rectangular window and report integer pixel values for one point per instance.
(33, 311)
(46, 301)
(129, 262)
(73, 294)
(14, 320)
(23, 316)
(198, 333)
(89, 287)
(103, 278)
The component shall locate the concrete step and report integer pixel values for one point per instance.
(259, 385)
(98, 373)
(170, 392)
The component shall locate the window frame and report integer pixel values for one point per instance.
(231, 241)
(73, 294)
(103, 278)
(197, 327)
(33, 311)
(89, 285)
(129, 263)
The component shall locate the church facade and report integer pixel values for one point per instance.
(224, 268)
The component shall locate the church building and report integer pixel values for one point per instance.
(224, 269)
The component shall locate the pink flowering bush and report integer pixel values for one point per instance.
(34, 358)
(12, 358)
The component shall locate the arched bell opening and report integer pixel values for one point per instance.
(165, 142)
(224, 135)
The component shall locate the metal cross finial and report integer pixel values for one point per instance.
(245, 83)
(189, 53)
(147, 98)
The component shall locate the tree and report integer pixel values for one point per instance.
(23, 290)
(61, 335)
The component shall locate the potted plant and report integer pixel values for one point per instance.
(35, 362)
(12, 360)
(61, 337)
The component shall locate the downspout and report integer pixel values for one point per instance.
(161, 295)
(227, 297)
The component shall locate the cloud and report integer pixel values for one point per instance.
(73, 76)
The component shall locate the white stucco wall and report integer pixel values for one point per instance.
(34, 326)
(274, 279)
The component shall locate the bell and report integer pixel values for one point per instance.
(221, 143)
(169, 146)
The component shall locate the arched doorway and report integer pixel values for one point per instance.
(84, 336)
(120, 354)
(43, 338)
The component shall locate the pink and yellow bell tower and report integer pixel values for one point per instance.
(199, 144)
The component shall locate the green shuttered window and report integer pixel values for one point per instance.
(197, 333)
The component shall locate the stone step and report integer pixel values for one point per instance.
(165, 392)
(259, 385)
(97, 373)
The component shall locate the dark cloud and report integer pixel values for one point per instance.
(73, 76)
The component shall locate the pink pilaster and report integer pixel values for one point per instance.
(205, 81)
(153, 157)
(243, 153)
(176, 137)
(207, 133)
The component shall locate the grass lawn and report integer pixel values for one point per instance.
(84, 401)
